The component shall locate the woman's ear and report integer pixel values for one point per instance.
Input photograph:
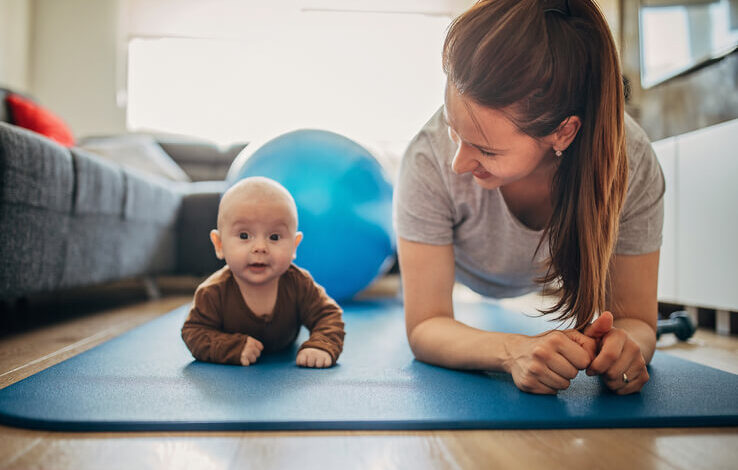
(565, 133)
(217, 243)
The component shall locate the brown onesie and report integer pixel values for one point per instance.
(220, 321)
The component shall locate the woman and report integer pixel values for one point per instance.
(532, 177)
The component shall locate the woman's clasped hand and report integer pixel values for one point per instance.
(548, 362)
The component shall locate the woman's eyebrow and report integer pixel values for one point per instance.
(487, 149)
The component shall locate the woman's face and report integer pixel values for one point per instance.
(493, 149)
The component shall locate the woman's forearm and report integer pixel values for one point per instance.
(446, 342)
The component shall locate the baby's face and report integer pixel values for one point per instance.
(259, 239)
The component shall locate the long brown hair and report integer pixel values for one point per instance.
(544, 61)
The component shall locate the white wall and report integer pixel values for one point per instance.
(74, 63)
(15, 18)
(699, 257)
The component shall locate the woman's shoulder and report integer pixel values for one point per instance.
(637, 144)
(641, 217)
(432, 139)
(429, 155)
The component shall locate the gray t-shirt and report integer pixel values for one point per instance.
(493, 249)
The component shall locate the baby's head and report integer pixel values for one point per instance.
(257, 230)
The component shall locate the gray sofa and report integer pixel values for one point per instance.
(71, 219)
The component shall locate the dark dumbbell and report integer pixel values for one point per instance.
(679, 323)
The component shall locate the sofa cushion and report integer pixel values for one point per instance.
(36, 171)
(202, 160)
(36, 193)
(100, 185)
(124, 223)
(198, 216)
(136, 151)
(29, 115)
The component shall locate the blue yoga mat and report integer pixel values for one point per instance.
(147, 380)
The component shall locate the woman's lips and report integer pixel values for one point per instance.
(481, 174)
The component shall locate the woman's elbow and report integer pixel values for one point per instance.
(415, 339)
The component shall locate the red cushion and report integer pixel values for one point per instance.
(27, 114)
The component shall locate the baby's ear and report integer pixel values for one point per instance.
(217, 243)
(298, 239)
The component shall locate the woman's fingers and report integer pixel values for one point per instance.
(601, 326)
(574, 354)
(636, 379)
(532, 384)
(542, 368)
(628, 374)
(554, 380)
(560, 366)
(611, 348)
(620, 363)
(547, 363)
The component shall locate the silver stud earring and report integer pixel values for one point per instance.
(558, 153)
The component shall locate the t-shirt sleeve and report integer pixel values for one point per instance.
(202, 331)
(642, 217)
(322, 316)
(423, 209)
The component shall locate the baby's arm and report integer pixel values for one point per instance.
(322, 317)
(202, 332)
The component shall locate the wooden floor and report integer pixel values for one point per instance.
(30, 350)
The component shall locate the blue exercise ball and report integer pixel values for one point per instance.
(344, 204)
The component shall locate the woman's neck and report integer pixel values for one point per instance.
(529, 199)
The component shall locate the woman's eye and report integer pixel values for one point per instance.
(487, 154)
(274, 237)
(244, 235)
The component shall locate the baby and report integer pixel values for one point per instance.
(259, 300)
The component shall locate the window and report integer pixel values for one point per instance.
(677, 39)
(375, 77)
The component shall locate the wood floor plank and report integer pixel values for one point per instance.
(691, 448)
(25, 354)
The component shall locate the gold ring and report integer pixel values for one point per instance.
(625, 378)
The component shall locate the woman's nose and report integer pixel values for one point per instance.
(463, 161)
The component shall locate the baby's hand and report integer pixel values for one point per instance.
(251, 351)
(312, 357)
